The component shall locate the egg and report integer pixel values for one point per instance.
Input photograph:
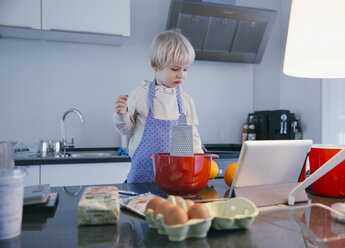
(163, 207)
(189, 203)
(175, 215)
(153, 203)
(198, 211)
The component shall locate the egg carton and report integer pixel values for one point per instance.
(238, 212)
(235, 213)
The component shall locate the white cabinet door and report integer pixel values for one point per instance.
(84, 174)
(20, 13)
(33, 175)
(90, 16)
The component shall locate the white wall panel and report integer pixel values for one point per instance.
(333, 111)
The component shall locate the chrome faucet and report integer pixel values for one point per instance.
(64, 142)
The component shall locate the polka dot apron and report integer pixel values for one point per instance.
(156, 139)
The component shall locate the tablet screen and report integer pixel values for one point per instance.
(266, 162)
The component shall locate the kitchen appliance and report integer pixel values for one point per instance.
(222, 32)
(273, 124)
(182, 138)
(332, 183)
(182, 175)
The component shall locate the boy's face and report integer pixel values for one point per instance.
(172, 75)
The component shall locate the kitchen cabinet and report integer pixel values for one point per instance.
(102, 16)
(20, 13)
(84, 173)
(103, 21)
(89, 21)
(33, 175)
(20, 18)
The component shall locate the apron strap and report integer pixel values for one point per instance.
(179, 99)
(151, 95)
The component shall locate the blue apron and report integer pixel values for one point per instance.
(156, 139)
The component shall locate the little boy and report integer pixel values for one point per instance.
(148, 113)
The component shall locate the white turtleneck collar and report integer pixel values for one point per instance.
(160, 88)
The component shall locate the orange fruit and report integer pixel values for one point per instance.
(214, 170)
(230, 173)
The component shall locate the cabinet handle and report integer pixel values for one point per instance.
(16, 26)
(81, 32)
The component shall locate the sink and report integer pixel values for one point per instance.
(71, 154)
(75, 155)
(91, 154)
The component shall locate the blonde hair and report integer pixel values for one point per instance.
(171, 47)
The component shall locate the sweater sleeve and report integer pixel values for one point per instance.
(125, 124)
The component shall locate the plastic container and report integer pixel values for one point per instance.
(332, 183)
(182, 175)
(11, 202)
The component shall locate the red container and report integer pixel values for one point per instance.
(182, 175)
(333, 182)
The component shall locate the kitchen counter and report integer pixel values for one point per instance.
(33, 159)
(303, 227)
(83, 166)
(228, 153)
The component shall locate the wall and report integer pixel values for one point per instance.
(273, 89)
(42, 79)
(333, 111)
(300, 95)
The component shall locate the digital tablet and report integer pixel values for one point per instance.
(270, 162)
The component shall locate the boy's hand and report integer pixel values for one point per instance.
(120, 104)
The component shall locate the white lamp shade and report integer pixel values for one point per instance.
(315, 46)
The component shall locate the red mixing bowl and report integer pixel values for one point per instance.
(182, 175)
(333, 182)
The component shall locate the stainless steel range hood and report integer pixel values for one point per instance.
(221, 32)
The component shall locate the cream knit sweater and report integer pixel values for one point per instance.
(164, 108)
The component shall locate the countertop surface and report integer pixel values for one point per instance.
(32, 158)
(224, 151)
(300, 227)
